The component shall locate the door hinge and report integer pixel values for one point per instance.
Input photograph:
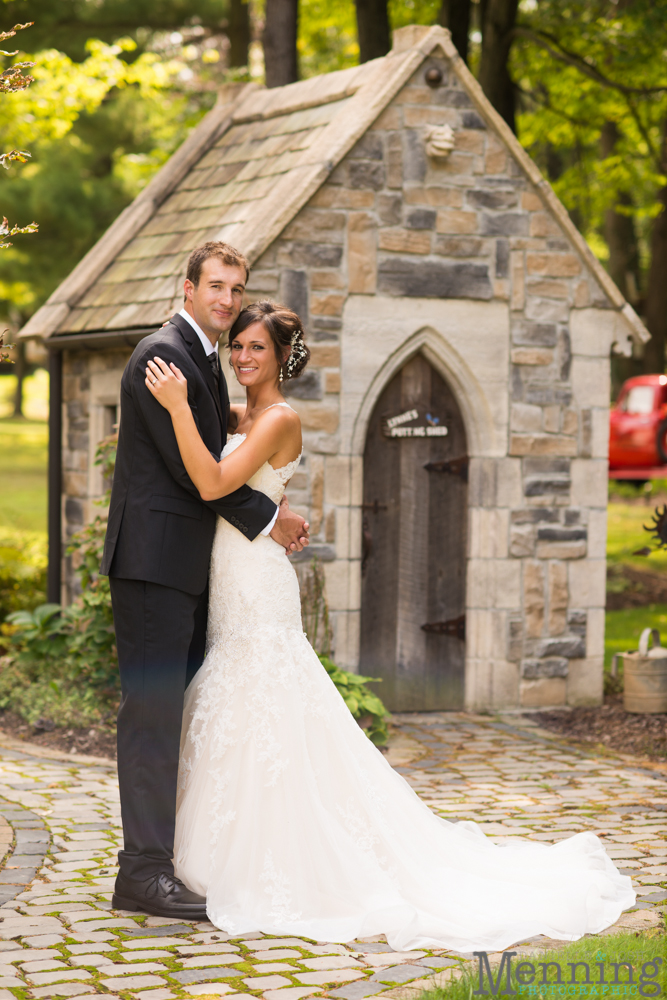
(455, 466)
(455, 627)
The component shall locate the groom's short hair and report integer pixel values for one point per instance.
(215, 248)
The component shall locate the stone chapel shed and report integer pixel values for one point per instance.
(455, 413)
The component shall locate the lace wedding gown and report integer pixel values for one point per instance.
(291, 822)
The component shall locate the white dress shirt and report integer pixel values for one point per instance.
(213, 349)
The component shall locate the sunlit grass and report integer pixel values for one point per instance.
(23, 466)
(35, 395)
(625, 535)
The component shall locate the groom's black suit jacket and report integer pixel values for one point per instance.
(159, 529)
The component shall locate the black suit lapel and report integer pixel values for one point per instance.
(199, 356)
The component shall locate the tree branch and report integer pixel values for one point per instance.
(553, 46)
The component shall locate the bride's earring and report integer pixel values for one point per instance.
(280, 377)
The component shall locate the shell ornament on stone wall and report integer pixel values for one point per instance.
(440, 141)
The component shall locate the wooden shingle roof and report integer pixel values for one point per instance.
(241, 176)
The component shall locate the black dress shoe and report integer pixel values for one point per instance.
(162, 895)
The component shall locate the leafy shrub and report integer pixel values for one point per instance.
(365, 706)
(22, 570)
(61, 663)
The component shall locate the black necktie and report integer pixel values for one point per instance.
(215, 365)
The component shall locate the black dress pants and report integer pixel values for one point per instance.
(160, 636)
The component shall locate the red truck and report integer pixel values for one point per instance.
(638, 429)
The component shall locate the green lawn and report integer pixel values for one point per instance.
(625, 534)
(23, 454)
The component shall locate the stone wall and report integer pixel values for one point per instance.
(91, 400)
(394, 227)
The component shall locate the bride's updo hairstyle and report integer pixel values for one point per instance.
(286, 332)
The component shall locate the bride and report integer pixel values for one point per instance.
(289, 820)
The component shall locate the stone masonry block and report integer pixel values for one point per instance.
(294, 292)
(587, 583)
(597, 533)
(495, 159)
(331, 196)
(525, 418)
(502, 258)
(470, 142)
(504, 224)
(451, 220)
(318, 417)
(362, 253)
(532, 356)
(590, 381)
(337, 480)
(522, 540)
(303, 252)
(548, 288)
(394, 160)
(496, 199)
(319, 224)
(561, 550)
(414, 155)
(570, 647)
(366, 174)
(533, 598)
(558, 598)
(405, 241)
(327, 305)
(544, 310)
(525, 333)
(585, 682)
(420, 218)
(458, 246)
(589, 483)
(553, 265)
(494, 583)
(389, 209)
(595, 625)
(554, 666)
(599, 433)
(546, 692)
(504, 684)
(431, 279)
(337, 580)
(488, 533)
(542, 444)
(436, 197)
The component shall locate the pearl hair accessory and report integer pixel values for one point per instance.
(297, 352)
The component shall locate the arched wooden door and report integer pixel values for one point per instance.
(414, 545)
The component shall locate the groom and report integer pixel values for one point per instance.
(157, 552)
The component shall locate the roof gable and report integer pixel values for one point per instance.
(243, 175)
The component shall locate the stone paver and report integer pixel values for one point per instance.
(60, 830)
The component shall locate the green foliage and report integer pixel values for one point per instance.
(636, 949)
(22, 570)
(581, 64)
(61, 663)
(365, 706)
(98, 130)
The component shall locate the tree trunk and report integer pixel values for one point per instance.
(238, 32)
(455, 15)
(498, 18)
(20, 370)
(619, 229)
(372, 29)
(656, 290)
(279, 40)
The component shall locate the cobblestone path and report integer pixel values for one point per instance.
(60, 938)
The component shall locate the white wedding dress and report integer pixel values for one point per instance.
(291, 822)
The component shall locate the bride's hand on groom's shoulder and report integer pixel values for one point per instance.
(167, 384)
(290, 530)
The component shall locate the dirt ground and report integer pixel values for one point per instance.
(98, 742)
(612, 727)
(629, 587)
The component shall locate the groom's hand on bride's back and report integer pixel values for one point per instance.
(290, 530)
